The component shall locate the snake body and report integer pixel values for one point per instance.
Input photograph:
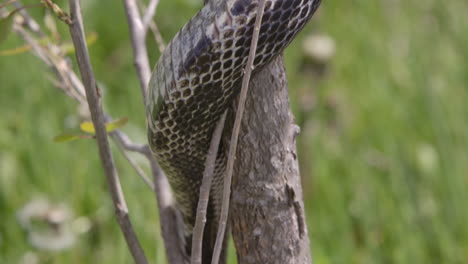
(196, 79)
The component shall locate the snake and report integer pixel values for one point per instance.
(195, 80)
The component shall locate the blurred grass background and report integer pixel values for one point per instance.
(383, 148)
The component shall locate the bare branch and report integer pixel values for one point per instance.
(267, 200)
(129, 145)
(132, 162)
(235, 135)
(200, 220)
(138, 36)
(168, 216)
(70, 83)
(154, 28)
(29, 21)
(157, 36)
(149, 14)
(84, 64)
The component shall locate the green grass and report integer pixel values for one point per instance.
(383, 151)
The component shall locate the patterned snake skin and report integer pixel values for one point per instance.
(197, 78)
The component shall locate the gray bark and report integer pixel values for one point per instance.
(267, 210)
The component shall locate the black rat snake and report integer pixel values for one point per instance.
(195, 81)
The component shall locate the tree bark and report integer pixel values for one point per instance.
(267, 210)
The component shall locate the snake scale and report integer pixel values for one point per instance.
(196, 79)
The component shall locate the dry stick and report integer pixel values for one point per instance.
(149, 14)
(132, 162)
(69, 81)
(157, 36)
(2, 5)
(122, 140)
(200, 220)
(84, 64)
(167, 214)
(129, 145)
(138, 37)
(77, 92)
(162, 190)
(235, 135)
(153, 27)
(29, 21)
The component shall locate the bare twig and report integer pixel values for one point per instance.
(138, 36)
(2, 5)
(84, 64)
(154, 29)
(62, 15)
(29, 21)
(149, 14)
(167, 213)
(200, 220)
(137, 168)
(168, 216)
(72, 86)
(129, 145)
(69, 82)
(235, 135)
(157, 36)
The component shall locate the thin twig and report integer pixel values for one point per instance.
(200, 220)
(138, 37)
(167, 214)
(70, 84)
(29, 21)
(2, 5)
(129, 145)
(52, 56)
(157, 36)
(149, 14)
(235, 135)
(84, 64)
(154, 29)
(169, 217)
(132, 162)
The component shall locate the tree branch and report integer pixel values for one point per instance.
(235, 134)
(200, 220)
(138, 37)
(135, 166)
(167, 213)
(84, 64)
(149, 14)
(267, 216)
(70, 83)
(31, 23)
(152, 25)
(168, 216)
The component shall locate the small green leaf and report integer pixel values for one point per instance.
(116, 124)
(65, 138)
(88, 127)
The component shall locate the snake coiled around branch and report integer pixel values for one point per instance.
(197, 78)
